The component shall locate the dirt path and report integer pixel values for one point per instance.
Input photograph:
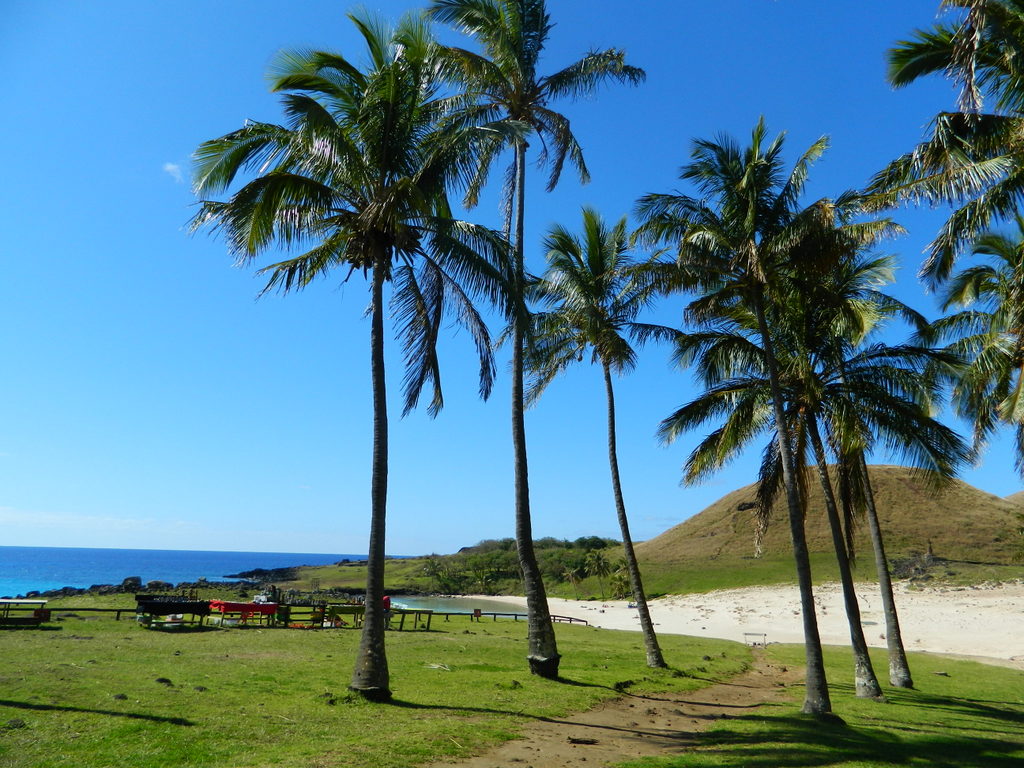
(635, 726)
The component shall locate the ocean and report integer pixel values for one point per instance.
(23, 569)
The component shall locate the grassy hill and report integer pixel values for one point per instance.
(971, 533)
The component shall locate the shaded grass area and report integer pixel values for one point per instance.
(970, 715)
(90, 691)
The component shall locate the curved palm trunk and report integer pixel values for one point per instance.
(899, 669)
(864, 674)
(542, 650)
(370, 678)
(816, 696)
(654, 656)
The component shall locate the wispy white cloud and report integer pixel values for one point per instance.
(174, 171)
(63, 522)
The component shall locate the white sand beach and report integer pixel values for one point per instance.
(984, 621)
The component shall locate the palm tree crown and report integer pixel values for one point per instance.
(508, 87)
(973, 157)
(989, 333)
(596, 291)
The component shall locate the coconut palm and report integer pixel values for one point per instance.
(989, 335)
(731, 242)
(596, 291)
(572, 575)
(356, 181)
(596, 564)
(508, 89)
(857, 393)
(973, 157)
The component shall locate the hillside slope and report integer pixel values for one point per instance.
(960, 523)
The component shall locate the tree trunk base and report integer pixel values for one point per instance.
(869, 692)
(901, 681)
(825, 717)
(546, 667)
(372, 693)
(868, 688)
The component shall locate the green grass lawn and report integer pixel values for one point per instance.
(971, 716)
(89, 691)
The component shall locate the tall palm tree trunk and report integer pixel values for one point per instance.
(899, 669)
(866, 682)
(654, 656)
(542, 650)
(370, 678)
(816, 696)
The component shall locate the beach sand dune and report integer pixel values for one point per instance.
(986, 622)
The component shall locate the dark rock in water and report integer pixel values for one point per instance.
(132, 584)
(158, 586)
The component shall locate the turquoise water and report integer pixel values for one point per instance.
(457, 604)
(41, 568)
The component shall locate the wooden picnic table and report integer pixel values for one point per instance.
(244, 612)
(23, 613)
(167, 612)
(417, 617)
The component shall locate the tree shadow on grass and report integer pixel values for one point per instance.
(801, 742)
(192, 629)
(29, 628)
(631, 730)
(112, 713)
(1002, 711)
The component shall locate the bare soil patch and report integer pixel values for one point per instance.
(636, 726)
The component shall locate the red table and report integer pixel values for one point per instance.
(245, 610)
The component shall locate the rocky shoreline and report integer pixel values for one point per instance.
(134, 584)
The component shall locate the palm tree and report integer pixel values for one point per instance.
(858, 392)
(989, 335)
(357, 180)
(596, 564)
(509, 90)
(973, 158)
(619, 583)
(731, 243)
(596, 292)
(572, 575)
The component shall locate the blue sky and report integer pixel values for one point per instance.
(149, 400)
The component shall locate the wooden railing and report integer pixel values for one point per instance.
(494, 615)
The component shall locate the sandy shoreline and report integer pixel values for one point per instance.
(984, 621)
